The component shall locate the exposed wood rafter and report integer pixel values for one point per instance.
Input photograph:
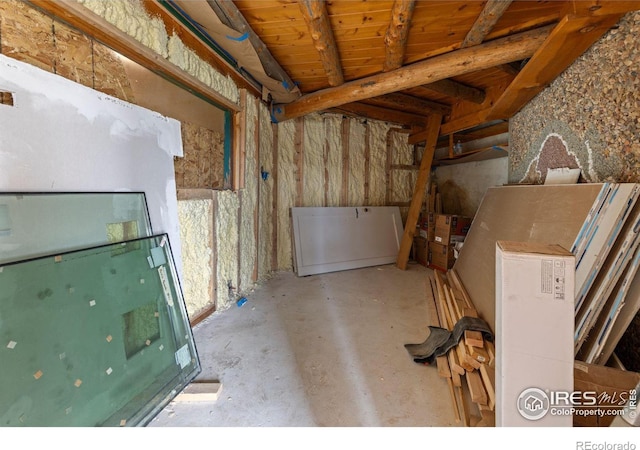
(483, 56)
(569, 39)
(229, 14)
(380, 113)
(408, 103)
(317, 20)
(395, 39)
(456, 90)
(489, 16)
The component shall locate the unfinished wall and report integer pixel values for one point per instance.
(462, 186)
(319, 160)
(266, 242)
(248, 219)
(330, 160)
(196, 235)
(589, 117)
(131, 17)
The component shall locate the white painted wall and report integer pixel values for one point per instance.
(62, 136)
(462, 186)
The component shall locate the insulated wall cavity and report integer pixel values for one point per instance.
(356, 182)
(286, 192)
(196, 236)
(313, 156)
(266, 185)
(249, 203)
(333, 159)
(377, 162)
(132, 18)
(226, 226)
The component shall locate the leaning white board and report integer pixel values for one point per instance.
(60, 136)
(341, 238)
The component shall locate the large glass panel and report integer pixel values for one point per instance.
(94, 337)
(37, 224)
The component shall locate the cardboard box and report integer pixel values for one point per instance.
(450, 228)
(440, 256)
(420, 250)
(612, 386)
(427, 224)
(534, 329)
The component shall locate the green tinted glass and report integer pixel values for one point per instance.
(95, 337)
(38, 224)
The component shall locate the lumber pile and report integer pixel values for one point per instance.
(469, 367)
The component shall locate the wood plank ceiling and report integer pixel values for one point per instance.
(474, 62)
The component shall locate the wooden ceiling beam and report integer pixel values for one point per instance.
(512, 48)
(408, 103)
(457, 90)
(568, 40)
(489, 16)
(395, 39)
(317, 19)
(380, 113)
(229, 14)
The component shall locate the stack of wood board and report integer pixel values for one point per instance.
(469, 366)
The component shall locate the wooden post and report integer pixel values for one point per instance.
(367, 164)
(433, 127)
(274, 214)
(299, 160)
(344, 195)
(258, 179)
(325, 160)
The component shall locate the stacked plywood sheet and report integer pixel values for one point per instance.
(599, 223)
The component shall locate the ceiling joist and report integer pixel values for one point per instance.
(408, 103)
(489, 16)
(317, 20)
(457, 90)
(500, 51)
(395, 39)
(380, 113)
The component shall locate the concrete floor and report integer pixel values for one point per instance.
(324, 350)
